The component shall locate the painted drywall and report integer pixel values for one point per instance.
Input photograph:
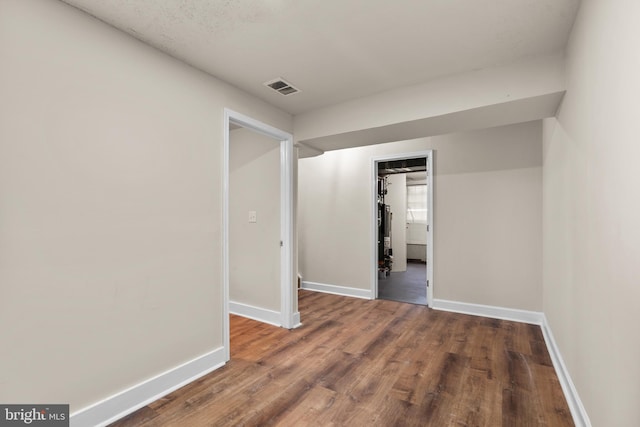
(397, 199)
(416, 234)
(254, 247)
(111, 202)
(417, 252)
(417, 231)
(487, 215)
(494, 96)
(591, 211)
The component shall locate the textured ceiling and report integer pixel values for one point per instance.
(337, 50)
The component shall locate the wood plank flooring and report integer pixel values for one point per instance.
(372, 363)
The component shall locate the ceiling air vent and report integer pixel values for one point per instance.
(281, 86)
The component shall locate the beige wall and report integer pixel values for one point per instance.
(110, 206)
(454, 102)
(487, 217)
(591, 211)
(254, 248)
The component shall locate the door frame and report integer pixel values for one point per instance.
(288, 318)
(428, 154)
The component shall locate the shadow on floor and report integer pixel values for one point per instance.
(405, 286)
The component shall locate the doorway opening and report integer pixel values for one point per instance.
(274, 216)
(403, 228)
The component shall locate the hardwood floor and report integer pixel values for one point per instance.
(372, 363)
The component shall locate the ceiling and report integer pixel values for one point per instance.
(339, 50)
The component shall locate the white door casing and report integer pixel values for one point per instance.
(428, 154)
(287, 315)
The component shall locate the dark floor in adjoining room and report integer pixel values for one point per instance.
(405, 286)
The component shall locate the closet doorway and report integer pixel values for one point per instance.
(403, 225)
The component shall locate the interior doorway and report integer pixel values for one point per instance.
(402, 233)
(281, 240)
(254, 225)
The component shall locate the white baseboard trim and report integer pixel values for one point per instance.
(127, 401)
(579, 414)
(524, 316)
(256, 313)
(296, 320)
(337, 290)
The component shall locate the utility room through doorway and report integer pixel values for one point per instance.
(402, 192)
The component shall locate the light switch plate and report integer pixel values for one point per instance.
(253, 217)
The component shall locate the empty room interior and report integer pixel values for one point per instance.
(321, 213)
